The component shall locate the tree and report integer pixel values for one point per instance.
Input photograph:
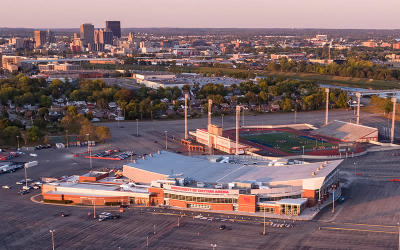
(286, 105)
(45, 101)
(103, 133)
(9, 135)
(33, 134)
(342, 101)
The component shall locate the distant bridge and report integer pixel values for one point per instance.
(368, 92)
(67, 60)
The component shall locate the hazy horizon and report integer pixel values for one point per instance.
(343, 14)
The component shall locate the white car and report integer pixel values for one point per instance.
(33, 155)
(6, 187)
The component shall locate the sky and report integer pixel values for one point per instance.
(364, 14)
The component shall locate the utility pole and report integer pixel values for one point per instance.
(237, 129)
(209, 111)
(186, 114)
(52, 238)
(327, 105)
(394, 100)
(358, 107)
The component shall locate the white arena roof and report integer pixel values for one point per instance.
(202, 169)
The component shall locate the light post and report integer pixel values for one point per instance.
(213, 246)
(166, 139)
(147, 241)
(398, 226)
(264, 232)
(67, 139)
(52, 238)
(26, 177)
(18, 142)
(222, 122)
(179, 221)
(137, 127)
(90, 152)
(333, 198)
(355, 168)
(154, 229)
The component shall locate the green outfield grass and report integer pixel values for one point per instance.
(285, 141)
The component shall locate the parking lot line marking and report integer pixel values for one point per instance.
(357, 230)
(369, 225)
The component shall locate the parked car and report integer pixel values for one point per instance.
(23, 192)
(222, 227)
(6, 187)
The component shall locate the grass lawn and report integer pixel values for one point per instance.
(285, 141)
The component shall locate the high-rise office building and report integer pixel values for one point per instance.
(50, 36)
(40, 38)
(87, 34)
(115, 27)
(131, 37)
(103, 36)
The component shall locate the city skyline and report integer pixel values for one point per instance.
(206, 14)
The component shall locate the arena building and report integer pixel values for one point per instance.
(220, 183)
(235, 183)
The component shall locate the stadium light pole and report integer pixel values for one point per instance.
(52, 238)
(394, 100)
(237, 129)
(327, 105)
(186, 114)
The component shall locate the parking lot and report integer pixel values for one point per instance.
(366, 220)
